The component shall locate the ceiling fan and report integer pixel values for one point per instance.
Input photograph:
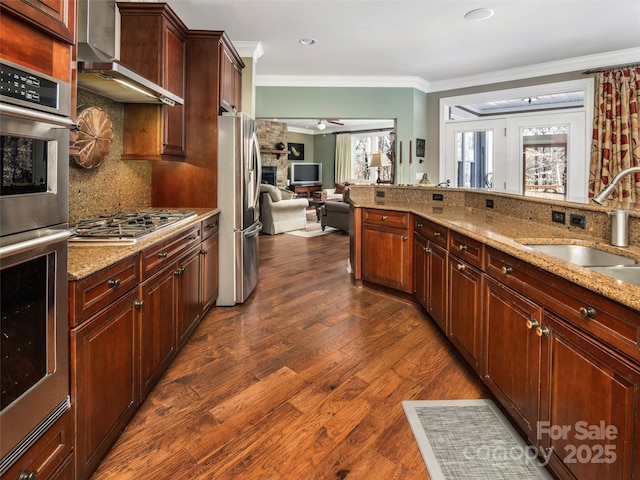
(322, 123)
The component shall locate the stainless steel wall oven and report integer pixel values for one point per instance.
(34, 212)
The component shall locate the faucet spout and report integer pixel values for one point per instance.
(608, 190)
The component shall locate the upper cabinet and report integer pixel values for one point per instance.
(231, 66)
(55, 17)
(152, 43)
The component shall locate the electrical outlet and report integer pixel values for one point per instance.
(379, 193)
(488, 203)
(437, 197)
(578, 220)
(558, 217)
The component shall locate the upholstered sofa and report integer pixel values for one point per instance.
(280, 212)
(335, 213)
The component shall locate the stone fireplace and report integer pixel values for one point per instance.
(271, 133)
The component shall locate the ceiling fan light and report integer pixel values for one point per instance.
(321, 125)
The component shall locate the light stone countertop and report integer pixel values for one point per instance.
(86, 260)
(508, 234)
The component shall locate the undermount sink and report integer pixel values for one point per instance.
(583, 255)
(625, 273)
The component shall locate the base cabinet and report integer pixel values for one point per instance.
(209, 263)
(104, 381)
(589, 423)
(430, 278)
(188, 296)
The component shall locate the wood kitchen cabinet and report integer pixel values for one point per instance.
(153, 44)
(464, 321)
(209, 263)
(511, 363)
(231, 66)
(57, 18)
(387, 246)
(430, 261)
(188, 295)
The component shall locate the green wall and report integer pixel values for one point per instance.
(407, 106)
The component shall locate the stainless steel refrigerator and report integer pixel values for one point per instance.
(239, 172)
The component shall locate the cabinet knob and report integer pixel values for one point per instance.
(192, 237)
(113, 282)
(543, 331)
(162, 255)
(436, 234)
(461, 267)
(203, 252)
(426, 249)
(463, 248)
(138, 304)
(532, 323)
(587, 312)
(27, 475)
(405, 238)
(384, 218)
(179, 272)
(507, 270)
(419, 225)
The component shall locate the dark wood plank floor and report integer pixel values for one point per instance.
(303, 381)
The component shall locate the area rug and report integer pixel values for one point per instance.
(313, 228)
(471, 440)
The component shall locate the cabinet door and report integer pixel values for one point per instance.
(420, 247)
(157, 328)
(511, 362)
(437, 295)
(589, 406)
(56, 17)
(209, 272)
(465, 310)
(104, 358)
(230, 82)
(387, 257)
(189, 305)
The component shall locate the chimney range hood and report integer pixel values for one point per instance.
(98, 53)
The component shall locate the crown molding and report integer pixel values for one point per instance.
(249, 49)
(619, 57)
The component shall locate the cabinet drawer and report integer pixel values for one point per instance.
(90, 294)
(466, 248)
(48, 454)
(506, 269)
(431, 231)
(161, 254)
(209, 226)
(387, 218)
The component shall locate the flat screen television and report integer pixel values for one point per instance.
(306, 173)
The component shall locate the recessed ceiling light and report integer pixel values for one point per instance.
(307, 41)
(478, 14)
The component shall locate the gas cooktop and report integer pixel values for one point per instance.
(126, 228)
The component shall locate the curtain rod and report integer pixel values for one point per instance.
(614, 67)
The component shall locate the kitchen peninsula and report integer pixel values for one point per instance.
(555, 342)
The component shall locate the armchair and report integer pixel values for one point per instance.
(335, 213)
(280, 212)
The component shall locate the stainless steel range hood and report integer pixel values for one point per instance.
(98, 53)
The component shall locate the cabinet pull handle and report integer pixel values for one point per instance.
(113, 282)
(461, 267)
(587, 312)
(463, 248)
(162, 255)
(436, 234)
(203, 252)
(419, 225)
(507, 270)
(532, 323)
(27, 475)
(210, 226)
(384, 218)
(426, 249)
(543, 331)
(179, 272)
(192, 237)
(138, 304)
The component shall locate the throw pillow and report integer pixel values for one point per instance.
(341, 187)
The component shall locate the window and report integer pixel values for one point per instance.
(531, 141)
(364, 146)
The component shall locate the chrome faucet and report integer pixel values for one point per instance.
(606, 191)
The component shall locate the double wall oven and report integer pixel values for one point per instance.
(34, 159)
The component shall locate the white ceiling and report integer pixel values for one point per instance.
(428, 40)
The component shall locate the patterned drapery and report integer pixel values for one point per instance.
(616, 133)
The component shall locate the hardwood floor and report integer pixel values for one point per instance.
(303, 381)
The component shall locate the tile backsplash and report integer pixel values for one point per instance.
(115, 185)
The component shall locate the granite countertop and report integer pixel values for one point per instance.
(508, 234)
(85, 260)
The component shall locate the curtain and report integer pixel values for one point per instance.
(616, 136)
(343, 157)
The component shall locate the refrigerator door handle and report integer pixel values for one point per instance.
(255, 158)
(253, 230)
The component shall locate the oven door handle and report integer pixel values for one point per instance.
(37, 116)
(34, 243)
